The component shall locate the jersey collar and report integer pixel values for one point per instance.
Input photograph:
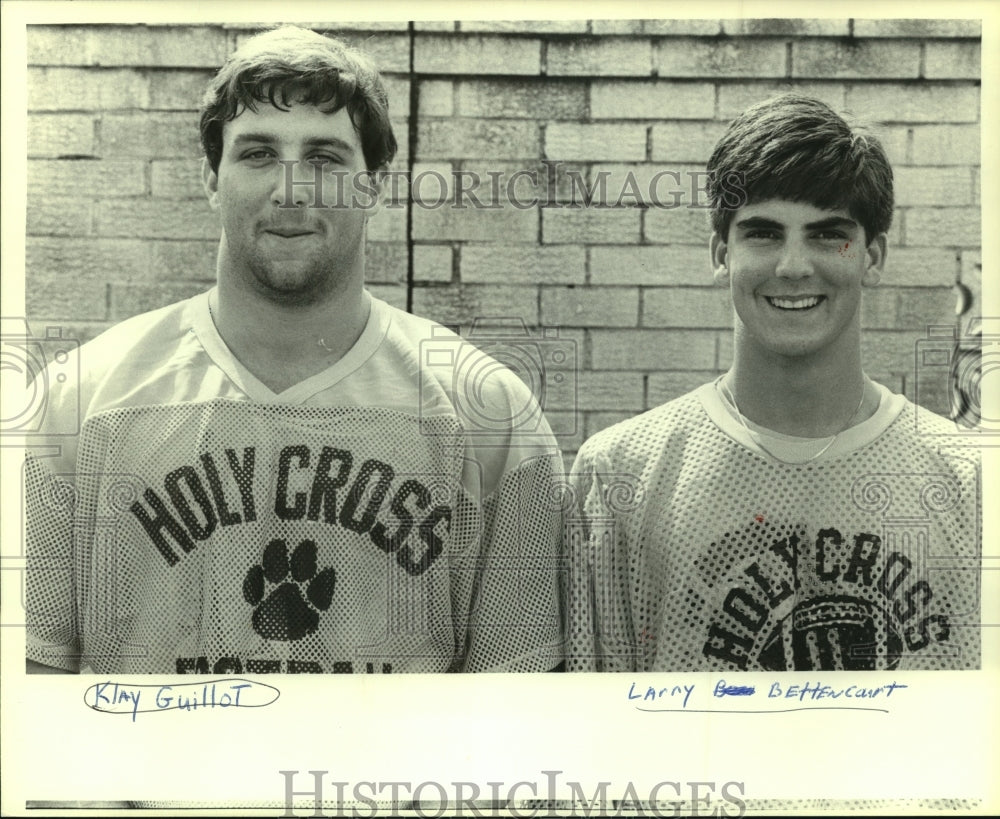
(215, 347)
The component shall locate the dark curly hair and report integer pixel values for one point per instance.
(295, 65)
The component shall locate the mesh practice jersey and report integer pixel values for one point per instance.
(691, 549)
(377, 517)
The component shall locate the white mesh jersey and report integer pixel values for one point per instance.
(364, 520)
(691, 549)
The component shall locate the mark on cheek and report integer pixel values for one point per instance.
(843, 251)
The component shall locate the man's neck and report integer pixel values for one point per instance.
(283, 344)
(808, 397)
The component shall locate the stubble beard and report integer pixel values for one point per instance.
(304, 283)
(296, 281)
(300, 281)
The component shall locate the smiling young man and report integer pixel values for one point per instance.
(786, 516)
(270, 477)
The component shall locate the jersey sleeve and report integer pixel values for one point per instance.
(50, 618)
(514, 622)
(49, 497)
(600, 633)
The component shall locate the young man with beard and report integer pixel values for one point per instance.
(269, 477)
(793, 514)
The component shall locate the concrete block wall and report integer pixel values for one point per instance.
(118, 224)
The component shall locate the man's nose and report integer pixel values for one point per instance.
(795, 261)
(298, 184)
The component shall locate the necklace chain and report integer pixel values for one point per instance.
(728, 396)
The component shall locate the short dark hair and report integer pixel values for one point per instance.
(295, 65)
(797, 148)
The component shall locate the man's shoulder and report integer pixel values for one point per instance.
(648, 432)
(409, 324)
(500, 415)
(475, 368)
(144, 331)
(134, 350)
(109, 366)
(440, 340)
(918, 429)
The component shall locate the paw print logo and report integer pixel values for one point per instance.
(285, 614)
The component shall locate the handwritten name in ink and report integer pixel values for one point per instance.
(758, 699)
(816, 691)
(656, 693)
(122, 698)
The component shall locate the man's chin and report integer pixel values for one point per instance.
(293, 283)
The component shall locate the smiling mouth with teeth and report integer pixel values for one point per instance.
(798, 303)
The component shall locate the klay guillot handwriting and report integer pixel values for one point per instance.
(123, 698)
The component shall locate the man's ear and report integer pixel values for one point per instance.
(876, 252)
(719, 251)
(210, 181)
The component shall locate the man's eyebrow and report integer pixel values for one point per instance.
(254, 137)
(752, 222)
(757, 222)
(312, 142)
(330, 142)
(832, 222)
